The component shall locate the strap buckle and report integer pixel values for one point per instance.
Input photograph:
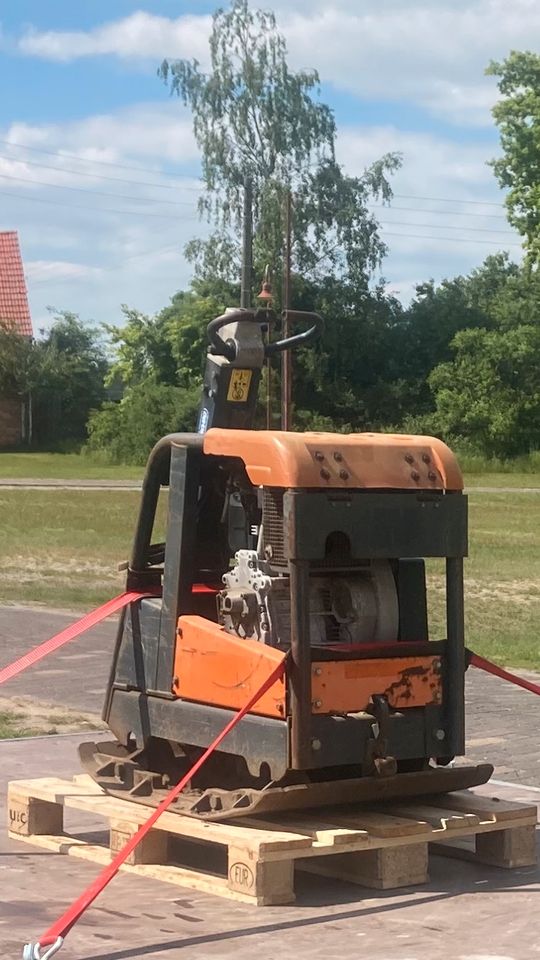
(32, 951)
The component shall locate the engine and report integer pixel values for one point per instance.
(346, 606)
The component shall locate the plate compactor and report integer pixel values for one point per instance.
(309, 544)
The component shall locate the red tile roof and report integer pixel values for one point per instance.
(14, 309)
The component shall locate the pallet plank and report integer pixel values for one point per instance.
(382, 824)
(167, 873)
(384, 847)
(78, 798)
(487, 808)
(327, 832)
(441, 818)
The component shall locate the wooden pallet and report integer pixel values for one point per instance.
(254, 861)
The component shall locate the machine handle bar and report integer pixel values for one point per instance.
(226, 348)
(299, 339)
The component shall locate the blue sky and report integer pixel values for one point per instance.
(99, 170)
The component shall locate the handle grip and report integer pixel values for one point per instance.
(299, 339)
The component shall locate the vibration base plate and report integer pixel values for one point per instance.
(120, 774)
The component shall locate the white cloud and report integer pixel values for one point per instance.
(157, 132)
(430, 52)
(431, 163)
(90, 244)
(141, 34)
(39, 270)
(82, 256)
(430, 237)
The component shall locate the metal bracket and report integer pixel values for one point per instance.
(378, 747)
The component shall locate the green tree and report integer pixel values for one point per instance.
(141, 349)
(167, 348)
(351, 377)
(489, 394)
(517, 114)
(159, 361)
(127, 431)
(19, 363)
(255, 119)
(60, 376)
(72, 371)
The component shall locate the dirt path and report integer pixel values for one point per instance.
(23, 483)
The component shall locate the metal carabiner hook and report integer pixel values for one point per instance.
(32, 951)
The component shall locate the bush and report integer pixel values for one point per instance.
(488, 396)
(125, 432)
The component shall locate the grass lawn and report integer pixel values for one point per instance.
(502, 579)
(63, 466)
(18, 718)
(526, 480)
(14, 724)
(61, 548)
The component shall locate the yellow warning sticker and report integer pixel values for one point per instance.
(239, 385)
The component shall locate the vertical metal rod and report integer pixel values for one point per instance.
(454, 674)
(247, 246)
(286, 356)
(268, 393)
(300, 669)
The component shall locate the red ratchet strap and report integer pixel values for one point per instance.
(54, 937)
(70, 633)
(492, 668)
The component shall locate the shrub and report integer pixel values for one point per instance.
(125, 432)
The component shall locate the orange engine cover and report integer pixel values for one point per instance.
(215, 667)
(345, 686)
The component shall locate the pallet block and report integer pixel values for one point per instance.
(253, 860)
(384, 869)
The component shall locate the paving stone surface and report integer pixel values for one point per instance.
(465, 912)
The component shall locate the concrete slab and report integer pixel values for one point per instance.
(466, 912)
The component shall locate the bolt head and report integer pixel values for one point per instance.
(415, 475)
(344, 475)
(316, 704)
(315, 744)
(426, 458)
(440, 734)
(317, 671)
(319, 456)
(409, 458)
(338, 456)
(325, 474)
